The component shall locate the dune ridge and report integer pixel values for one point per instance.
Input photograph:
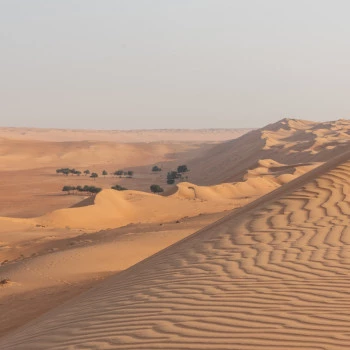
(289, 141)
(111, 209)
(273, 274)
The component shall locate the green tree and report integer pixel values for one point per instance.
(156, 189)
(118, 173)
(130, 173)
(68, 189)
(87, 172)
(182, 169)
(104, 173)
(118, 188)
(94, 175)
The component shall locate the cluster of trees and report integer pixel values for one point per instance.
(118, 188)
(173, 175)
(87, 189)
(120, 173)
(67, 171)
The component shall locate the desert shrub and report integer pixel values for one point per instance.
(182, 169)
(156, 189)
(118, 188)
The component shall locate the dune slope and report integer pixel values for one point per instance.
(288, 141)
(272, 275)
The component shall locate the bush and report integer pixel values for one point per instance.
(156, 189)
(67, 171)
(182, 169)
(4, 281)
(68, 189)
(118, 188)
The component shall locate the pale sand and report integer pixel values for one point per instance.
(48, 265)
(288, 141)
(273, 274)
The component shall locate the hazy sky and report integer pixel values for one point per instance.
(121, 64)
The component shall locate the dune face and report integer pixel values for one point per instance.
(288, 141)
(273, 274)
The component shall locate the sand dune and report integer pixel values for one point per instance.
(111, 209)
(289, 141)
(26, 154)
(273, 274)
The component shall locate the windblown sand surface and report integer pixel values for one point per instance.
(288, 141)
(273, 274)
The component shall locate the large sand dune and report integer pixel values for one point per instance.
(288, 141)
(271, 275)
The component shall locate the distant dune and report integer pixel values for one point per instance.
(123, 136)
(288, 141)
(273, 274)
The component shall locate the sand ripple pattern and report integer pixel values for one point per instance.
(273, 275)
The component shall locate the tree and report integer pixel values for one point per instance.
(104, 173)
(182, 169)
(94, 175)
(130, 173)
(87, 172)
(156, 189)
(91, 189)
(68, 189)
(118, 173)
(171, 176)
(118, 188)
(78, 173)
(156, 168)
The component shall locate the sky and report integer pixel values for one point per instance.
(145, 64)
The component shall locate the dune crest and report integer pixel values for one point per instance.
(289, 141)
(111, 209)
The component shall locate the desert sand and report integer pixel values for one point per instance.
(273, 274)
(288, 141)
(266, 268)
